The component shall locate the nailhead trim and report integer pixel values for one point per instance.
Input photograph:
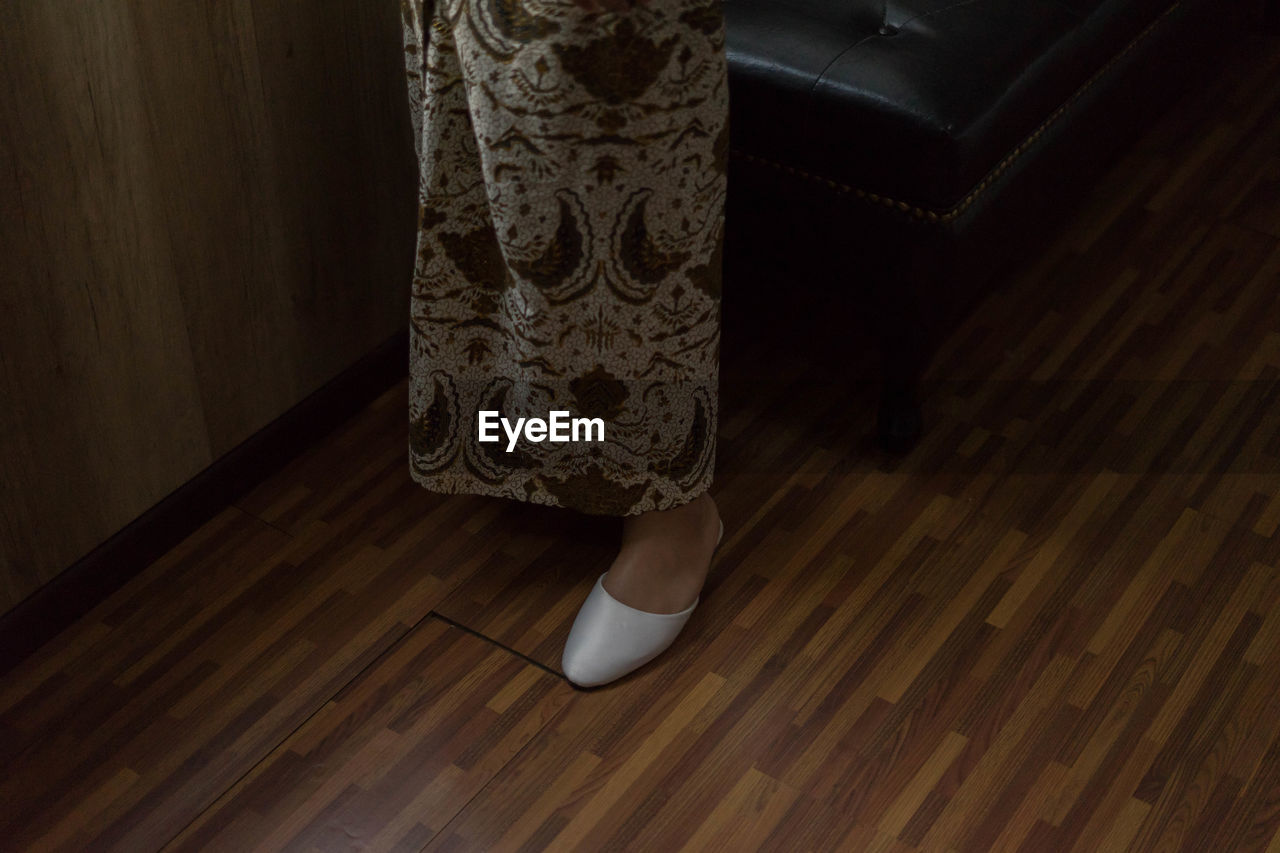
(946, 215)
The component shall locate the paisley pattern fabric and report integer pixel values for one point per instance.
(572, 173)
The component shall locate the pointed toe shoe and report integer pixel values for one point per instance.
(610, 639)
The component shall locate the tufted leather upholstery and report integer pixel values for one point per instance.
(907, 147)
(914, 100)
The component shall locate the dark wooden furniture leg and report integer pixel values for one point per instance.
(899, 423)
(902, 338)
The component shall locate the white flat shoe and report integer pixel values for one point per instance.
(610, 639)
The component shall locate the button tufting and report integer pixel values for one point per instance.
(888, 30)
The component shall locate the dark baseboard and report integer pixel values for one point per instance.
(78, 589)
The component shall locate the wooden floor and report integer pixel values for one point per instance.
(1054, 626)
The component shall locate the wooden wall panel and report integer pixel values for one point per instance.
(208, 212)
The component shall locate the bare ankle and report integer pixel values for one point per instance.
(661, 567)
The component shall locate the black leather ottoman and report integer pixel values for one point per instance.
(916, 141)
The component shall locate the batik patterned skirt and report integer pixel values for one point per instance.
(572, 175)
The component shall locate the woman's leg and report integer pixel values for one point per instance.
(665, 556)
(573, 163)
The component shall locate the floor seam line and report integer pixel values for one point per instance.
(539, 664)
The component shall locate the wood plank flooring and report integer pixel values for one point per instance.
(1055, 625)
